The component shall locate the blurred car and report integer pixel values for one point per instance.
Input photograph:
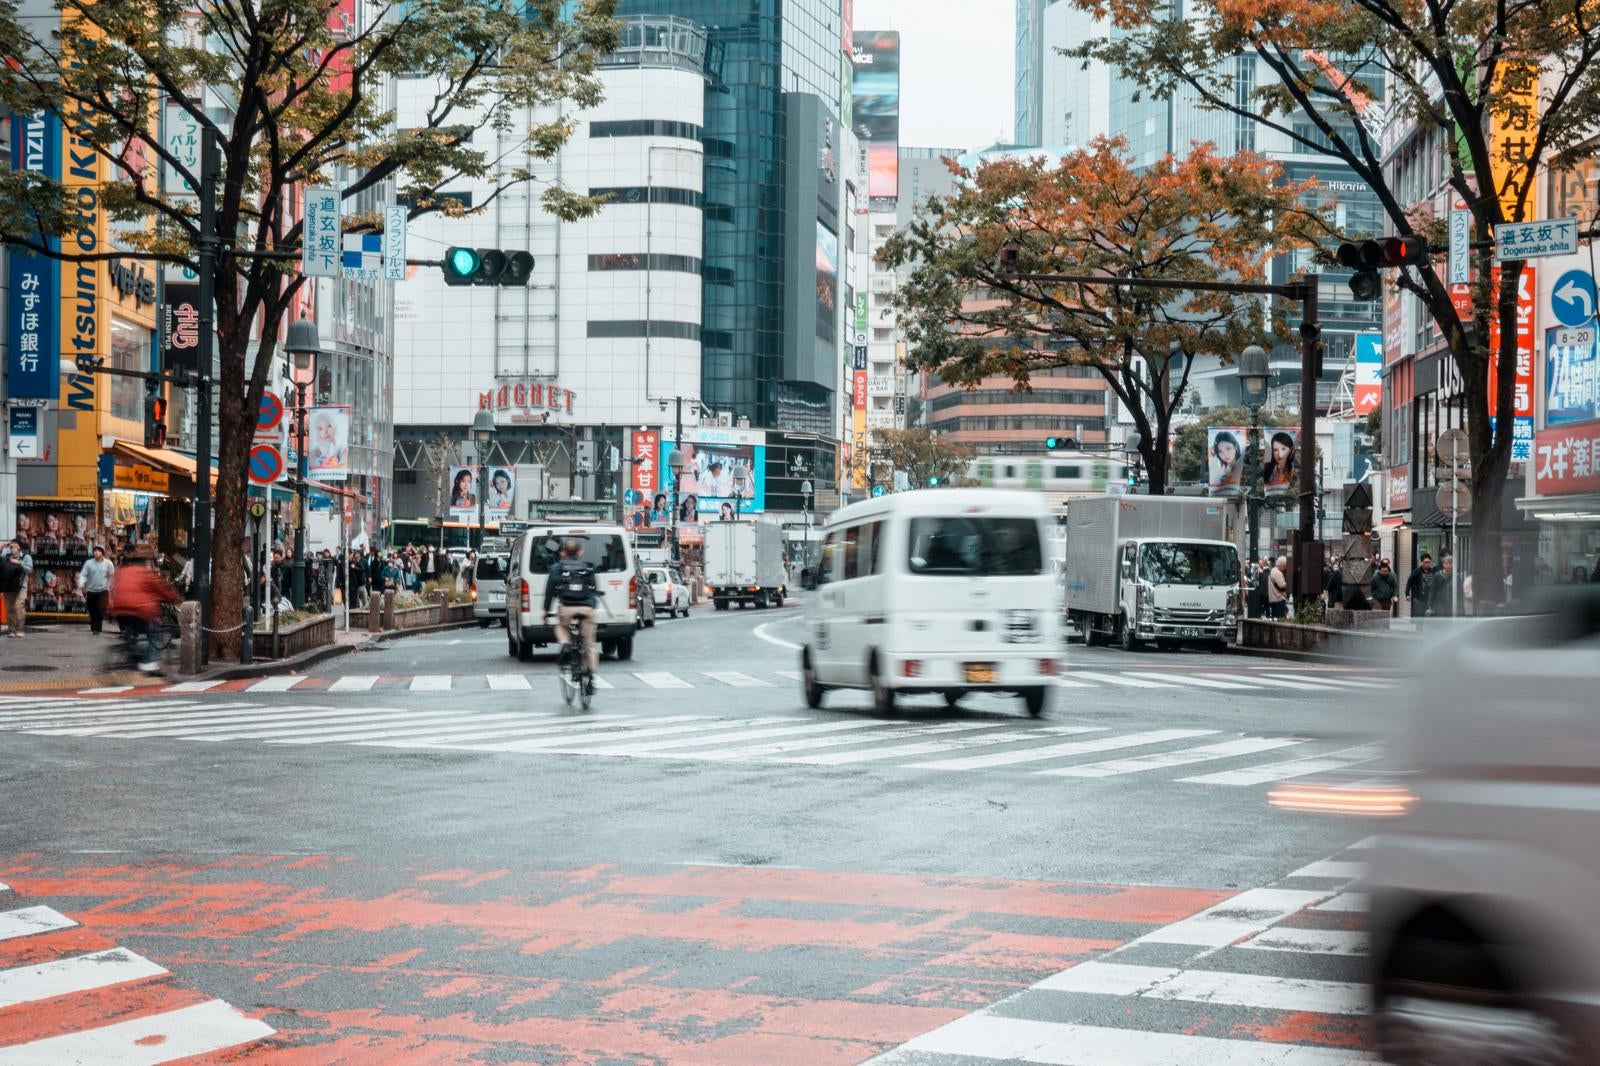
(1486, 894)
(489, 589)
(669, 589)
(647, 604)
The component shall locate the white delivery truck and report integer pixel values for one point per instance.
(744, 563)
(1155, 568)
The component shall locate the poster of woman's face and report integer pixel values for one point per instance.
(1278, 472)
(463, 491)
(1225, 460)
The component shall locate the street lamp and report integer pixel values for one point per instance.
(482, 434)
(805, 500)
(1253, 373)
(675, 468)
(302, 344)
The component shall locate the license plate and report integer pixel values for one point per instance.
(1189, 632)
(981, 674)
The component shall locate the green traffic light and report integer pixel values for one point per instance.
(464, 261)
(1052, 443)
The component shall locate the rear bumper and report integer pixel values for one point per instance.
(488, 610)
(543, 634)
(939, 672)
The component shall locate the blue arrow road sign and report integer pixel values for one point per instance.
(1572, 299)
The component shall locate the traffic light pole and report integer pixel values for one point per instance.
(210, 167)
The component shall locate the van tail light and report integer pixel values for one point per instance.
(633, 592)
(911, 668)
(527, 596)
(474, 594)
(1047, 667)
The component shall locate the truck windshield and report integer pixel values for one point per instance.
(1188, 564)
(975, 547)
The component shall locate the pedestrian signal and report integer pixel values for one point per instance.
(155, 416)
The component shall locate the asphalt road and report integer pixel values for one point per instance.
(416, 853)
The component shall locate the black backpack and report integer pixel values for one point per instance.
(577, 586)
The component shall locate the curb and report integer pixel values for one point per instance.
(275, 667)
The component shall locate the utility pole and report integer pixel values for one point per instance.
(210, 167)
(1308, 557)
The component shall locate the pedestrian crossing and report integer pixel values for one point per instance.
(68, 995)
(1273, 975)
(1244, 682)
(1048, 748)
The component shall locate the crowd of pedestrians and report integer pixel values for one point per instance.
(364, 571)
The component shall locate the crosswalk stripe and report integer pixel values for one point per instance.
(1267, 681)
(992, 1038)
(1068, 682)
(736, 679)
(601, 683)
(562, 726)
(145, 1041)
(193, 686)
(1212, 987)
(280, 683)
(354, 683)
(1310, 941)
(78, 973)
(1333, 869)
(1118, 679)
(1283, 771)
(704, 730)
(616, 726)
(90, 726)
(1235, 918)
(28, 921)
(414, 728)
(1346, 903)
(509, 682)
(755, 734)
(660, 680)
(792, 675)
(1339, 682)
(40, 710)
(316, 730)
(811, 744)
(930, 747)
(179, 725)
(107, 690)
(431, 683)
(1062, 751)
(1175, 678)
(1160, 760)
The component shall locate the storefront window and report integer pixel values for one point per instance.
(130, 350)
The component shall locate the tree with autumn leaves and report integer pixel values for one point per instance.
(299, 94)
(1200, 218)
(1499, 92)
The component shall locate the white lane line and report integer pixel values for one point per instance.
(933, 747)
(1310, 942)
(615, 728)
(695, 741)
(106, 691)
(1062, 751)
(1333, 868)
(737, 680)
(1341, 682)
(83, 707)
(761, 633)
(281, 683)
(1176, 678)
(792, 675)
(156, 1038)
(564, 726)
(4, 887)
(1234, 918)
(416, 728)
(1118, 679)
(294, 732)
(509, 683)
(354, 683)
(79, 973)
(430, 683)
(180, 726)
(1265, 681)
(659, 680)
(89, 727)
(786, 746)
(601, 683)
(1068, 682)
(1283, 771)
(1211, 987)
(27, 921)
(992, 1038)
(1346, 903)
(1137, 764)
(193, 686)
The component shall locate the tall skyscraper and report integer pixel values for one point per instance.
(1031, 55)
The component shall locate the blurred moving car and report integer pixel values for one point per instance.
(669, 589)
(1486, 896)
(489, 589)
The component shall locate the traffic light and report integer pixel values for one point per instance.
(486, 266)
(1056, 443)
(1366, 258)
(155, 416)
(933, 481)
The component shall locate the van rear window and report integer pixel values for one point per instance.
(603, 551)
(969, 546)
(492, 567)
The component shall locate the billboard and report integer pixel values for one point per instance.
(1225, 447)
(827, 281)
(33, 368)
(1278, 470)
(462, 492)
(1571, 381)
(875, 106)
(501, 492)
(328, 444)
(716, 462)
(1369, 372)
(1522, 388)
(647, 502)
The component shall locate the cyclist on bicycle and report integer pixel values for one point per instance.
(137, 593)
(572, 581)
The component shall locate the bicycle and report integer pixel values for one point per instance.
(572, 669)
(130, 648)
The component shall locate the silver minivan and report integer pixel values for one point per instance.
(489, 589)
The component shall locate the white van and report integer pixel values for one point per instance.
(944, 591)
(609, 550)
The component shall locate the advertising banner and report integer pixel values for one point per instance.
(58, 534)
(502, 492)
(875, 106)
(33, 368)
(328, 444)
(1278, 477)
(1564, 460)
(1369, 372)
(1571, 382)
(647, 502)
(461, 493)
(1225, 450)
(827, 280)
(84, 298)
(724, 473)
(1522, 396)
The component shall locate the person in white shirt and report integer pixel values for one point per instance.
(95, 580)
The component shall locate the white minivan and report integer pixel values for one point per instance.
(945, 591)
(607, 548)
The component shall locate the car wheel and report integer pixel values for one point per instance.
(623, 649)
(483, 623)
(525, 652)
(882, 695)
(608, 649)
(952, 697)
(1036, 699)
(1125, 634)
(808, 683)
(511, 643)
(722, 605)
(1167, 645)
(777, 600)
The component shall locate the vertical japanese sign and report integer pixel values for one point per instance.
(1369, 372)
(1460, 247)
(1522, 390)
(181, 135)
(395, 220)
(861, 318)
(322, 236)
(858, 405)
(33, 367)
(1511, 135)
(1572, 376)
(644, 445)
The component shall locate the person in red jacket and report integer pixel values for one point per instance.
(137, 593)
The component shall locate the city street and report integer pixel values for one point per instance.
(416, 853)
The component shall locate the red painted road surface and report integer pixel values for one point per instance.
(349, 962)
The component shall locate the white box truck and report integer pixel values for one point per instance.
(744, 563)
(1158, 568)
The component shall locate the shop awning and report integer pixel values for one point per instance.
(161, 458)
(1583, 507)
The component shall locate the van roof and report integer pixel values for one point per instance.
(945, 501)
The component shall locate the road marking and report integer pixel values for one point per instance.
(761, 633)
(792, 675)
(1175, 678)
(737, 680)
(193, 686)
(416, 728)
(430, 683)
(1235, 918)
(584, 725)
(992, 1038)
(1212, 987)
(754, 734)
(1067, 682)
(1342, 682)
(1118, 679)
(354, 683)
(200, 726)
(602, 683)
(84, 709)
(4, 887)
(281, 683)
(1333, 868)
(1346, 903)
(1062, 751)
(80, 973)
(784, 747)
(1267, 681)
(1140, 763)
(563, 726)
(1282, 771)
(931, 747)
(1310, 941)
(107, 690)
(316, 731)
(509, 682)
(663, 681)
(156, 1038)
(90, 726)
(27, 921)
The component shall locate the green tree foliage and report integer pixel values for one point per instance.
(923, 454)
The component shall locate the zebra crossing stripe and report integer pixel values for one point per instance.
(1250, 912)
(446, 741)
(1333, 869)
(281, 683)
(1176, 678)
(1346, 903)
(1118, 679)
(1341, 942)
(693, 741)
(415, 727)
(1062, 751)
(1160, 760)
(354, 683)
(78, 973)
(737, 680)
(145, 1041)
(509, 682)
(182, 725)
(1212, 987)
(659, 680)
(28, 921)
(83, 709)
(601, 683)
(1339, 682)
(88, 727)
(316, 730)
(107, 690)
(930, 747)
(785, 747)
(431, 683)
(1067, 682)
(1283, 771)
(193, 686)
(792, 675)
(1267, 681)
(615, 727)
